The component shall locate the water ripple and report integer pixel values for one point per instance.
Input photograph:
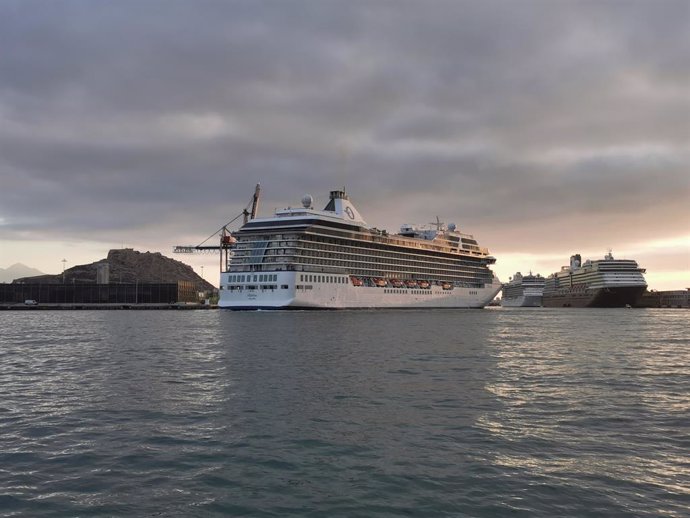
(382, 413)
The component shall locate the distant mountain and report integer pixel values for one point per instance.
(17, 271)
(127, 266)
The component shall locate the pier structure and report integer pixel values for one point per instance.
(665, 299)
(136, 293)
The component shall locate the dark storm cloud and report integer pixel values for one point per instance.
(500, 114)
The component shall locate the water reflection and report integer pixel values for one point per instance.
(351, 413)
(611, 385)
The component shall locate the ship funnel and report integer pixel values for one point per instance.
(343, 208)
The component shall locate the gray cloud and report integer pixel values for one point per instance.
(121, 117)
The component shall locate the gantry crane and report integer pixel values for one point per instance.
(227, 241)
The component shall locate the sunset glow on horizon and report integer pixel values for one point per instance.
(543, 129)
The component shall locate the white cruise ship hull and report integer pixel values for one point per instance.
(523, 301)
(336, 292)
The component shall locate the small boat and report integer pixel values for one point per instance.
(381, 283)
(397, 283)
(423, 284)
(447, 286)
(411, 284)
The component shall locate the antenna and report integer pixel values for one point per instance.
(438, 224)
(344, 152)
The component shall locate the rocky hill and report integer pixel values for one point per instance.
(128, 266)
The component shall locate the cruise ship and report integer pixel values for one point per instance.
(606, 282)
(523, 291)
(304, 258)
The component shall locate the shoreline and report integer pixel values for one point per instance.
(115, 306)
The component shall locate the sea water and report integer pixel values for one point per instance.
(495, 412)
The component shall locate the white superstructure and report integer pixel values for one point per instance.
(606, 282)
(523, 291)
(331, 259)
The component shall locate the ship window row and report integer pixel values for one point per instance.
(438, 245)
(312, 241)
(371, 239)
(376, 269)
(258, 255)
(340, 248)
(267, 277)
(412, 292)
(379, 258)
(332, 279)
(384, 260)
(253, 287)
(330, 244)
(363, 236)
(378, 244)
(402, 259)
(383, 238)
(248, 247)
(591, 277)
(358, 240)
(398, 291)
(316, 243)
(364, 268)
(407, 266)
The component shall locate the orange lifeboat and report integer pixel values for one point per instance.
(381, 283)
(423, 284)
(397, 283)
(356, 281)
(411, 284)
(447, 286)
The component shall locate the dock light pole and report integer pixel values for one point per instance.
(202, 271)
(64, 261)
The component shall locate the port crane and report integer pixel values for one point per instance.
(227, 241)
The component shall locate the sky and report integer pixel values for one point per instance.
(543, 128)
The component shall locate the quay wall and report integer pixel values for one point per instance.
(92, 293)
(665, 299)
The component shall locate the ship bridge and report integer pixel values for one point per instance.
(339, 207)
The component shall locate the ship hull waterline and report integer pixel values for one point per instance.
(287, 295)
(618, 297)
(524, 301)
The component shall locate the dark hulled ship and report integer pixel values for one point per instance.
(604, 283)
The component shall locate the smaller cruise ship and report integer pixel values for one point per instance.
(523, 291)
(603, 283)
